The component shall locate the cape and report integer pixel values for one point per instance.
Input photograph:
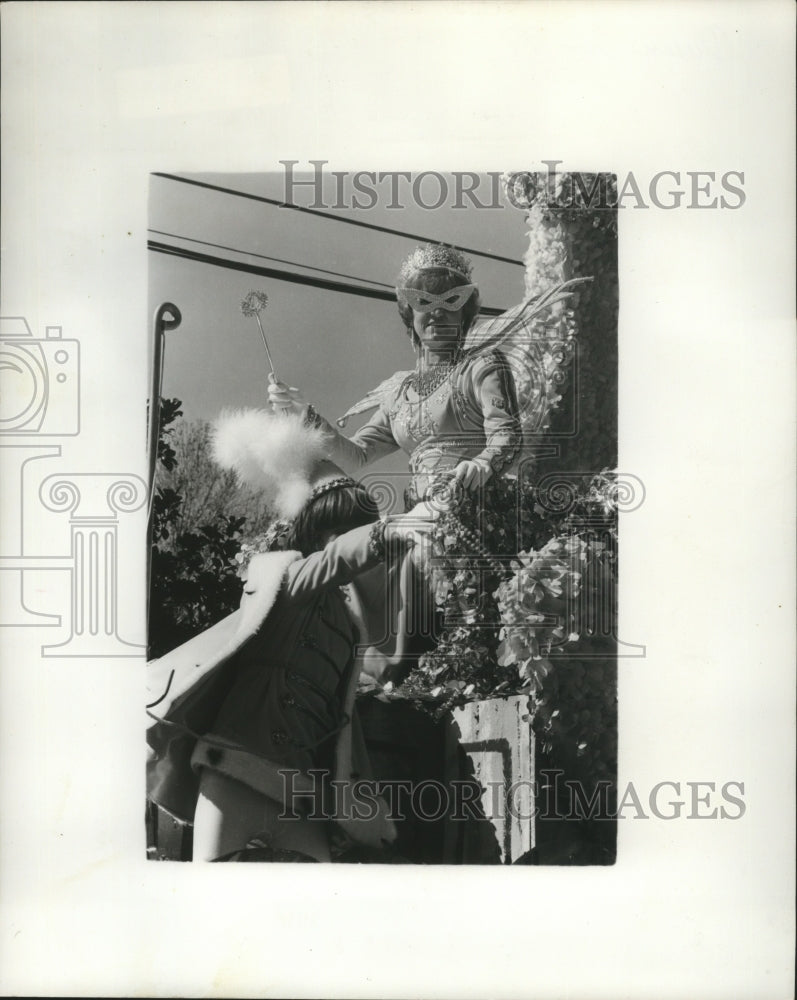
(186, 687)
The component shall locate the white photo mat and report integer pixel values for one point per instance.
(95, 97)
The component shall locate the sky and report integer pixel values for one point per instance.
(334, 346)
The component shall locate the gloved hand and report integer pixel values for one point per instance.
(285, 399)
(471, 474)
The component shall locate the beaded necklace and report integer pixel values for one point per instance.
(426, 378)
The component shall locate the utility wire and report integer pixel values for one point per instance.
(331, 216)
(271, 272)
(262, 256)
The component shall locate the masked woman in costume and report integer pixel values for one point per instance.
(250, 721)
(456, 415)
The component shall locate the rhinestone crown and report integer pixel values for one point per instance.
(429, 255)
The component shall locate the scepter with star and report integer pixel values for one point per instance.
(253, 305)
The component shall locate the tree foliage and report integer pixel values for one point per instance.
(200, 517)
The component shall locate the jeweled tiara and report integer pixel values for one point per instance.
(430, 255)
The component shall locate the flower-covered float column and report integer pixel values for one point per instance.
(571, 500)
(573, 234)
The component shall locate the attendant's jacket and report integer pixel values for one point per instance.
(267, 695)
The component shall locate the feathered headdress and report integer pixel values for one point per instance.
(279, 455)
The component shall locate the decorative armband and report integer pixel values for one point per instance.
(499, 458)
(377, 544)
(313, 418)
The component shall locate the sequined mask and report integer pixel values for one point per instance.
(422, 301)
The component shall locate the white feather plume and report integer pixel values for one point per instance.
(273, 453)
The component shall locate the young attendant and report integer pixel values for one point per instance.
(251, 721)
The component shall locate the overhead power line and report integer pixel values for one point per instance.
(281, 275)
(263, 256)
(330, 216)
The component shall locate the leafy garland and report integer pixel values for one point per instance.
(274, 538)
(536, 628)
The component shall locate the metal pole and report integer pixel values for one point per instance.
(161, 325)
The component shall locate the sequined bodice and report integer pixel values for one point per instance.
(440, 429)
(415, 418)
(471, 414)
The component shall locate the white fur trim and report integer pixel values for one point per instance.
(273, 453)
